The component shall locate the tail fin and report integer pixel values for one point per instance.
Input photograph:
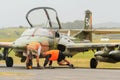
(86, 34)
(88, 20)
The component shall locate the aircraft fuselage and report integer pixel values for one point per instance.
(44, 36)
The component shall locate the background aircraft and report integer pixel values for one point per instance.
(46, 28)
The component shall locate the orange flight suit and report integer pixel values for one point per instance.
(54, 54)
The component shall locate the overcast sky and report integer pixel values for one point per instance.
(12, 12)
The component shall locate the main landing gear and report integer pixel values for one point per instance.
(93, 63)
(4, 56)
(9, 61)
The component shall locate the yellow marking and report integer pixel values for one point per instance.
(15, 74)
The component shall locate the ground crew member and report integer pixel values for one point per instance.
(55, 55)
(33, 48)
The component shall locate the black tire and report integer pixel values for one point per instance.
(93, 63)
(9, 61)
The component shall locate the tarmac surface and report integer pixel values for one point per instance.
(58, 73)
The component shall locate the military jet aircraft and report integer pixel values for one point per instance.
(46, 28)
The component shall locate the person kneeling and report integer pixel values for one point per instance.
(56, 55)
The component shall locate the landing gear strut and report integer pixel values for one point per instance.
(93, 63)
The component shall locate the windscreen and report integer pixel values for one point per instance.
(43, 17)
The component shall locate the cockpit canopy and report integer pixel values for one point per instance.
(37, 32)
(43, 17)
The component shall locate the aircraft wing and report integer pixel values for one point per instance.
(104, 31)
(90, 45)
(75, 32)
(86, 46)
(6, 44)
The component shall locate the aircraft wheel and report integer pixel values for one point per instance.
(9, 61)
(93, 63)
(29, 64)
